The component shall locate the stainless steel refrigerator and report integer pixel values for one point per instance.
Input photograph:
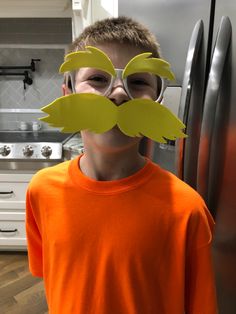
(198, 38)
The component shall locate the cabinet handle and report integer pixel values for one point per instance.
(12, 230)
(5, 193)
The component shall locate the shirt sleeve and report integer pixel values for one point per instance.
(200, 292)
(34, 240)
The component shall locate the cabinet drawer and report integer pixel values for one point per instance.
(12, 229)
(12, 194)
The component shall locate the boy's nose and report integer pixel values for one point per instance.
(118, 94)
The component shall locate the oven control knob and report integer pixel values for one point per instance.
(28, 151)
(46, 151)
(5, 150)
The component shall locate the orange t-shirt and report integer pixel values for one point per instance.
(138, 245)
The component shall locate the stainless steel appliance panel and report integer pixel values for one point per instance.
(23, 150)
(172, 21)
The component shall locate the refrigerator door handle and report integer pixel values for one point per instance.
(210, 105)
(190, 69)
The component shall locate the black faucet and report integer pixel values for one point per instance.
(27, 80)
(32, 64)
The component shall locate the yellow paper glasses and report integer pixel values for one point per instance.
(92, 70)
(143, 85)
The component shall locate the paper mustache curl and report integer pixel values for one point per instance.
(96, 113)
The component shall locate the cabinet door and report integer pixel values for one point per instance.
(12, 231)
(13, 190)
(12, 195)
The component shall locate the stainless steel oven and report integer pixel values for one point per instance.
(27, 150)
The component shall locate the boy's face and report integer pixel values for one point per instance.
(113, 140)
(115, 85)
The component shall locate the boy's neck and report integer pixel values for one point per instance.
(108, 167)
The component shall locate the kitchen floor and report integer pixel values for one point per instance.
(20, 292)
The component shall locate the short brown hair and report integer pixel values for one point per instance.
(123, 30)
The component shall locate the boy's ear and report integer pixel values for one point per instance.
(66, 85)
(65, 90)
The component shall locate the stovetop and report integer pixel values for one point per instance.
(26, 145)
(33, 137)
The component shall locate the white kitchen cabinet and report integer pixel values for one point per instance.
(12, 210)
(86, 12)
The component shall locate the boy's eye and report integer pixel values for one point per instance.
(98, 79)
(139, 82)
(93, 77)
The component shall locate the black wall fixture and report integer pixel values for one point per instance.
(27, 79)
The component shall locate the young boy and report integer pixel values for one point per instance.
(111, 232)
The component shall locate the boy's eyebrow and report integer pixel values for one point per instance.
(91, 57)
(142, 63)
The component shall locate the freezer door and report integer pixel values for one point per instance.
(224, 244)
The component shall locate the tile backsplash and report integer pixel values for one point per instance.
(45, 88)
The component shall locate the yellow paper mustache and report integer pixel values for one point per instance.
(96, 113)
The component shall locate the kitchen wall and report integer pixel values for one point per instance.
(23, 40)
(35, 31)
